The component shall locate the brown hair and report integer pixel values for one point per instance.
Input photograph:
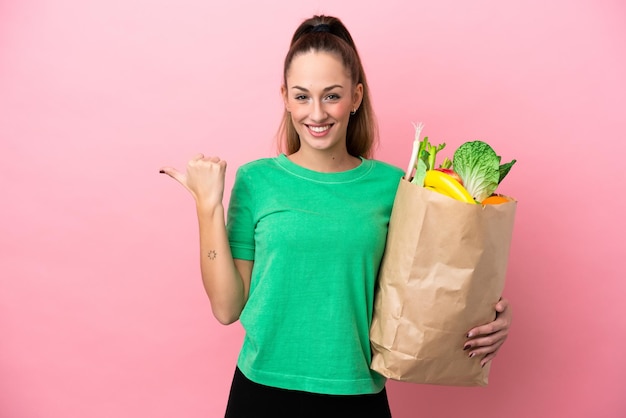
(328, 34)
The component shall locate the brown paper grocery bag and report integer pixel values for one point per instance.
(441, 275)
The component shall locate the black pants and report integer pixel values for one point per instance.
(251, 400)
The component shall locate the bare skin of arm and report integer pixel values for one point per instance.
(226, 280)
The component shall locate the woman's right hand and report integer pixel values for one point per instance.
(204, 178)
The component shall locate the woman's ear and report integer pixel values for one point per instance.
(283, 93)
(357, 96)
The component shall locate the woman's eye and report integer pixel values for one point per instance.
(332, 97)
(300, 97)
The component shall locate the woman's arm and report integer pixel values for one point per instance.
(226, 280)
(487, 339)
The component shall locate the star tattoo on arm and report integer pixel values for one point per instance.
(212, 254)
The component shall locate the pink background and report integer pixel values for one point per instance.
(102, 312)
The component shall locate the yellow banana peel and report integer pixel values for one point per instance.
(447, 185)
(437, 190)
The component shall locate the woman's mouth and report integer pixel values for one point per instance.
(318, 131)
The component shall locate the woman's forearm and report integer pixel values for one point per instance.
(224, 283)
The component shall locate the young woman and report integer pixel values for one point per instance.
(296, 262)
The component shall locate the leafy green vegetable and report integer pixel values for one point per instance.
(432, 154)
(420, 174)
(426, 157)
(479, 167)
(446, 163)
(504, 170)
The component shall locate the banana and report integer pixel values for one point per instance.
(437, 190)
(446, 184)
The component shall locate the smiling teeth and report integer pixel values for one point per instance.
(319, 129)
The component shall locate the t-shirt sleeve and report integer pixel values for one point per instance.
(240, 220)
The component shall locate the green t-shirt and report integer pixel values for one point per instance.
(317, 240)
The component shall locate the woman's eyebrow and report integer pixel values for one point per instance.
(325, 89)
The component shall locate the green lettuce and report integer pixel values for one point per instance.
(479, 167)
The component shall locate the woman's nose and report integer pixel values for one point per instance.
(318, 113)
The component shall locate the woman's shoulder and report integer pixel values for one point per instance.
(261, 164)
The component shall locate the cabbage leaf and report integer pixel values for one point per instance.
(478, 165)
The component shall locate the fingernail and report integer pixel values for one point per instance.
(472, 355)
(470, 335)
(162, 171)
(467, 347)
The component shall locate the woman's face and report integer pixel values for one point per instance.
(320, 96)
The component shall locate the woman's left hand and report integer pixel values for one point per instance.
(485, 341)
